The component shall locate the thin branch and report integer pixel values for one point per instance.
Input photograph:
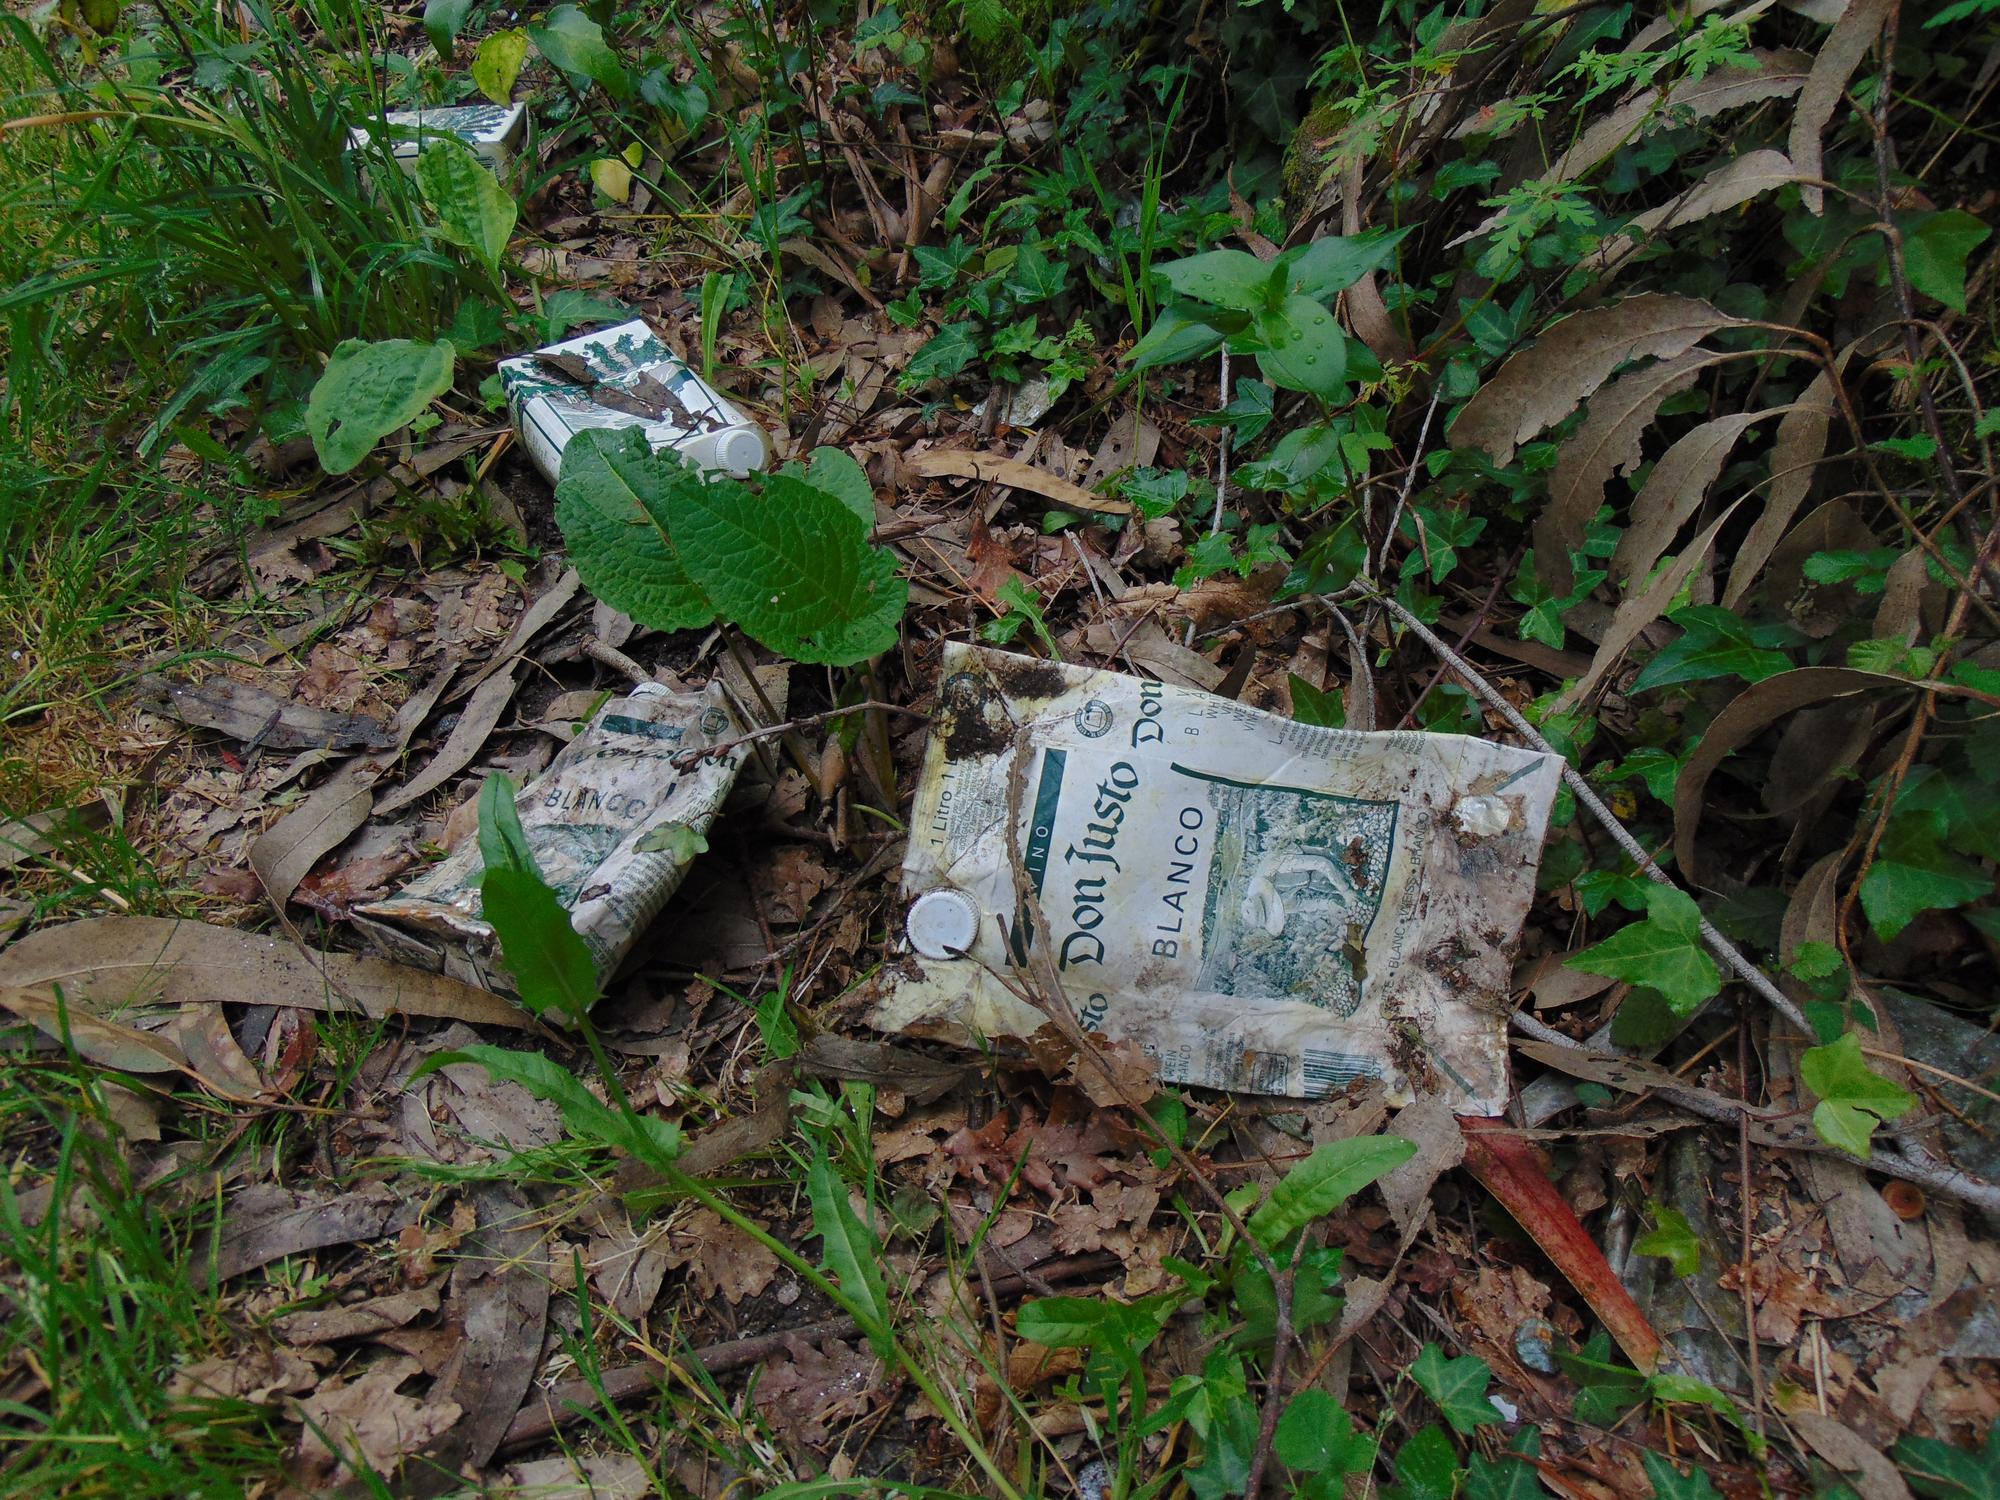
(688, 759)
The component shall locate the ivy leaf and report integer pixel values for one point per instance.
(1672, 1239)
(1304, 349)
(611, 504)
(498, 63)
(575, 43)
(1427, 1467)
(851, 1252)
(949, 350)
(473, 210)
(792, 566)
(1935, 249)
(1716, 642)
(1316, 1437)
(1853, 1097)
(1234, 279)
(1509, 1477)
(1335, 1172)
(1316, 706)
(1035, 277)
(1458, 1386)
(679, 841)
(1664, 952)
(367, 391)
(1334, 264)
(1913, 873)
(1670, 1484)
(1938, 1470)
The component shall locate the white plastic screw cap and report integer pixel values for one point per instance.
(740, 451)
(942, 924)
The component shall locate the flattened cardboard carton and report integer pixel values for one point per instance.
(635, 382)
(1258, 904)
(494, 132)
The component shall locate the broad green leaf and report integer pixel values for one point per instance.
(1226, 1450)
(1175, 337)
(1853, 1097)
(1335, 1172)
(1304, 349)
(1664, 952)
(656, 1142)
(1074, 1323)
(792, 566)
(1716, 642)
(611, 503)
(852, 1253)
(472, 208)
(1427, 1467)
(1317, 1437)
(443, 20)
(1914, 873)
(1334, 264)
(1672, 1239)
(1670, 1484)
(551, 966)
(1936, 248)
(1458, 1386)
(367, 391)
(835, 471)
(498, 63)
(949, 350)
(1234, 279)
(1940, 1471)
(575, 43)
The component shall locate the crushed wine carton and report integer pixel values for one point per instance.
(493, 132)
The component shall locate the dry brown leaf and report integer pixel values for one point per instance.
(356, 1320)
(337, 892)
(1795, 451)
(256, 717)
(720, 1257)
(202, 1033)
(366, 1418)
(1674, 491)
(100, 1041)
(999, 469)
(1874, 1477)
(482, 711)
(1838, 56)
(810, 1388)
(1541, 385)
(1433, 1129)
(1729, 186)
(254, 1375)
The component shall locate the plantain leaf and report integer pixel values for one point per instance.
(367, 391)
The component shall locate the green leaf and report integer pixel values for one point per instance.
(1672, 1239)
(1512, 1476)
(472, 208)
(776, 1026)
(1936, 248)
(503, 843)
(1458, 1386)
(1853, 1097)
(1715, 642)
(1177, 336)
(611, 503)
(575, 43)
(653, 1141)
(1234, 279)
(1304, 349)
(949, 350)
(1914, 873)
(792, 566)
(1940, 1471)
(367, 391)
(851, 1253)
(1334, 264)
(1664, 952)
(1427, 1467)
(1670, 1484)
(1226, 1450)
(1316, 1437)
(1075, 1323)
(835, 471)
(551, 966)
(1335, 1172)
(443, 20)
(498, 63)
(679, 841)
(1316, 706)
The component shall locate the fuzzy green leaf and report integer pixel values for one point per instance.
(1234, 279)
(792, 566)
(498, 63)
(1304, 349)
(1664, 952)
(611, 503)
(575, 43)
(473, 210)
(1458, 1386)
(367, 391)
(835, 471)
(1335, 1172)
(851, 1252)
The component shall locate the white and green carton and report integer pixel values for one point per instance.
(492, 132)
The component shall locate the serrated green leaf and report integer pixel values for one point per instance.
(1427, 1467)
(367, 391)
(1315, 1436)
(498, 63)
(851, 1253)
(1458, 1386)
(792, 566)
(1335, 263)
(1672, 1239)
(835, 471)
(1914, 873)
(472, 209)
(1234, 279)
(1940, 1471)
(1936, 247)
(1669, 1483)
(575, 43)
(1335, 1172)
(1664, 952)
(1176, 336)
(611, 504)
(1304, 349)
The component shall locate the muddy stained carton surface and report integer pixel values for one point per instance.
(1259, 904)
(493, 132)
(635, 382)
(599, 821)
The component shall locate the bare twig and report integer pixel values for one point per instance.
(609, 655)
(689, 758)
